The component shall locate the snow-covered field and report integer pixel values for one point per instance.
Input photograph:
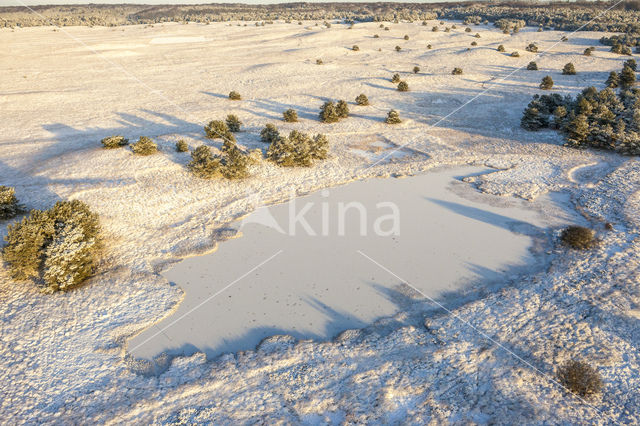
(489, 360)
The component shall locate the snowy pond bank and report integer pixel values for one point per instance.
(346, 257)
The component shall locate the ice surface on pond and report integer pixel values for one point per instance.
(308, 268)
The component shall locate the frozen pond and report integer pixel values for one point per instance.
(341, 266)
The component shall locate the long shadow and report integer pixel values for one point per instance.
(215, 95)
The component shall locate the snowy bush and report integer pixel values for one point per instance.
(290, 115)
(501, 48)
(342, 109)
(9, 205)
(144, 146)
(59, 245)
(234, 96)
(613, 81)
(429, 46)
(569, 69)
(319, 62)
(406, 37)
(395, 78)
(627, 77)
(329, 113)
(416, 69)
(532, 48)
(393, 117)
(435, 29)
(235, 162)
(181, 146)
(269, 133)
(362, 99)
(403, 86)
(204, 164)
(532, 66)
(588, 51)
(456, 71)
(631, 63)
(621, 49)
(580, 378)
(398, 48)
(355, 48)
(578, 237)
(473, 43)
(515, 54)
(298, 149)
(233, 123)
(112, 142)
(546, 83)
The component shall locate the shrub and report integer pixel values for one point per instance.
(234, 96)
(613, 81)
(588, 51)
(362, 99)
(393, 117)
(467, 30)
(447, 29)
(532, 66)
(501, 48)
(269, 133)
(112, 142)
(395, 78)
(235, 163)
(144, 146)
(435, 29)
(546, 83)
(403, 86)
(298, 149)
(631, 63)
(290, 115)
(329, 113)
(406, 37)
(456, 71)
(515, 54)
(355, 48)
(428, 46)
(621, 49)
(9, 205)
(453, 27)
(578, 237)
(376, 36)
(342, 108)
(416, 69)
(181, 146)
(398, 48)
(233, 123)
(473, 43)
(569, 69)
(580, 378)
(319, 62)
(532, 48)
(59, 245)
(204, 164)
(477, 35)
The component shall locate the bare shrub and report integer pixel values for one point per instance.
(580, 378)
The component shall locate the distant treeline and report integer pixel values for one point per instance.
(561, 15)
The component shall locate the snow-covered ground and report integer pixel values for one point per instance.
(489, 360)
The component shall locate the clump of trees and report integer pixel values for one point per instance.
(144, 146)
(233, 164)
(597, 119)
(290, 115)
(332, 113)
(621, 49)
(58, 247)
(580, 378)
(456, 71)
(362, 99)
(393, 117)
(298, 149)
(181, 146)
(532, 66)
(9, 205)
(546, 83)
(233, 123)
(218, 129)
(234, 96)
(569, 69)
(112, 142)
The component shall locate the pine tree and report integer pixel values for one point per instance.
(456, 71)
(218, 129)
(613, 81)
(416, 69)
(204, 164)
(395, 78)
(234, 96)
(501, 48)
(235, 165)
(393, 117)
(342, 109)
(577, 130)
(627, 77)
(631, 63)
(532, 66)
(569, 69)
(144, 146)
(269, 134)
(329, 113)
(9, 205)
(112, 142)
(290, 115)
(362, 99)
(181, 146)
(547, 83)
(403, 86)
(532, 119)
(233, 123)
